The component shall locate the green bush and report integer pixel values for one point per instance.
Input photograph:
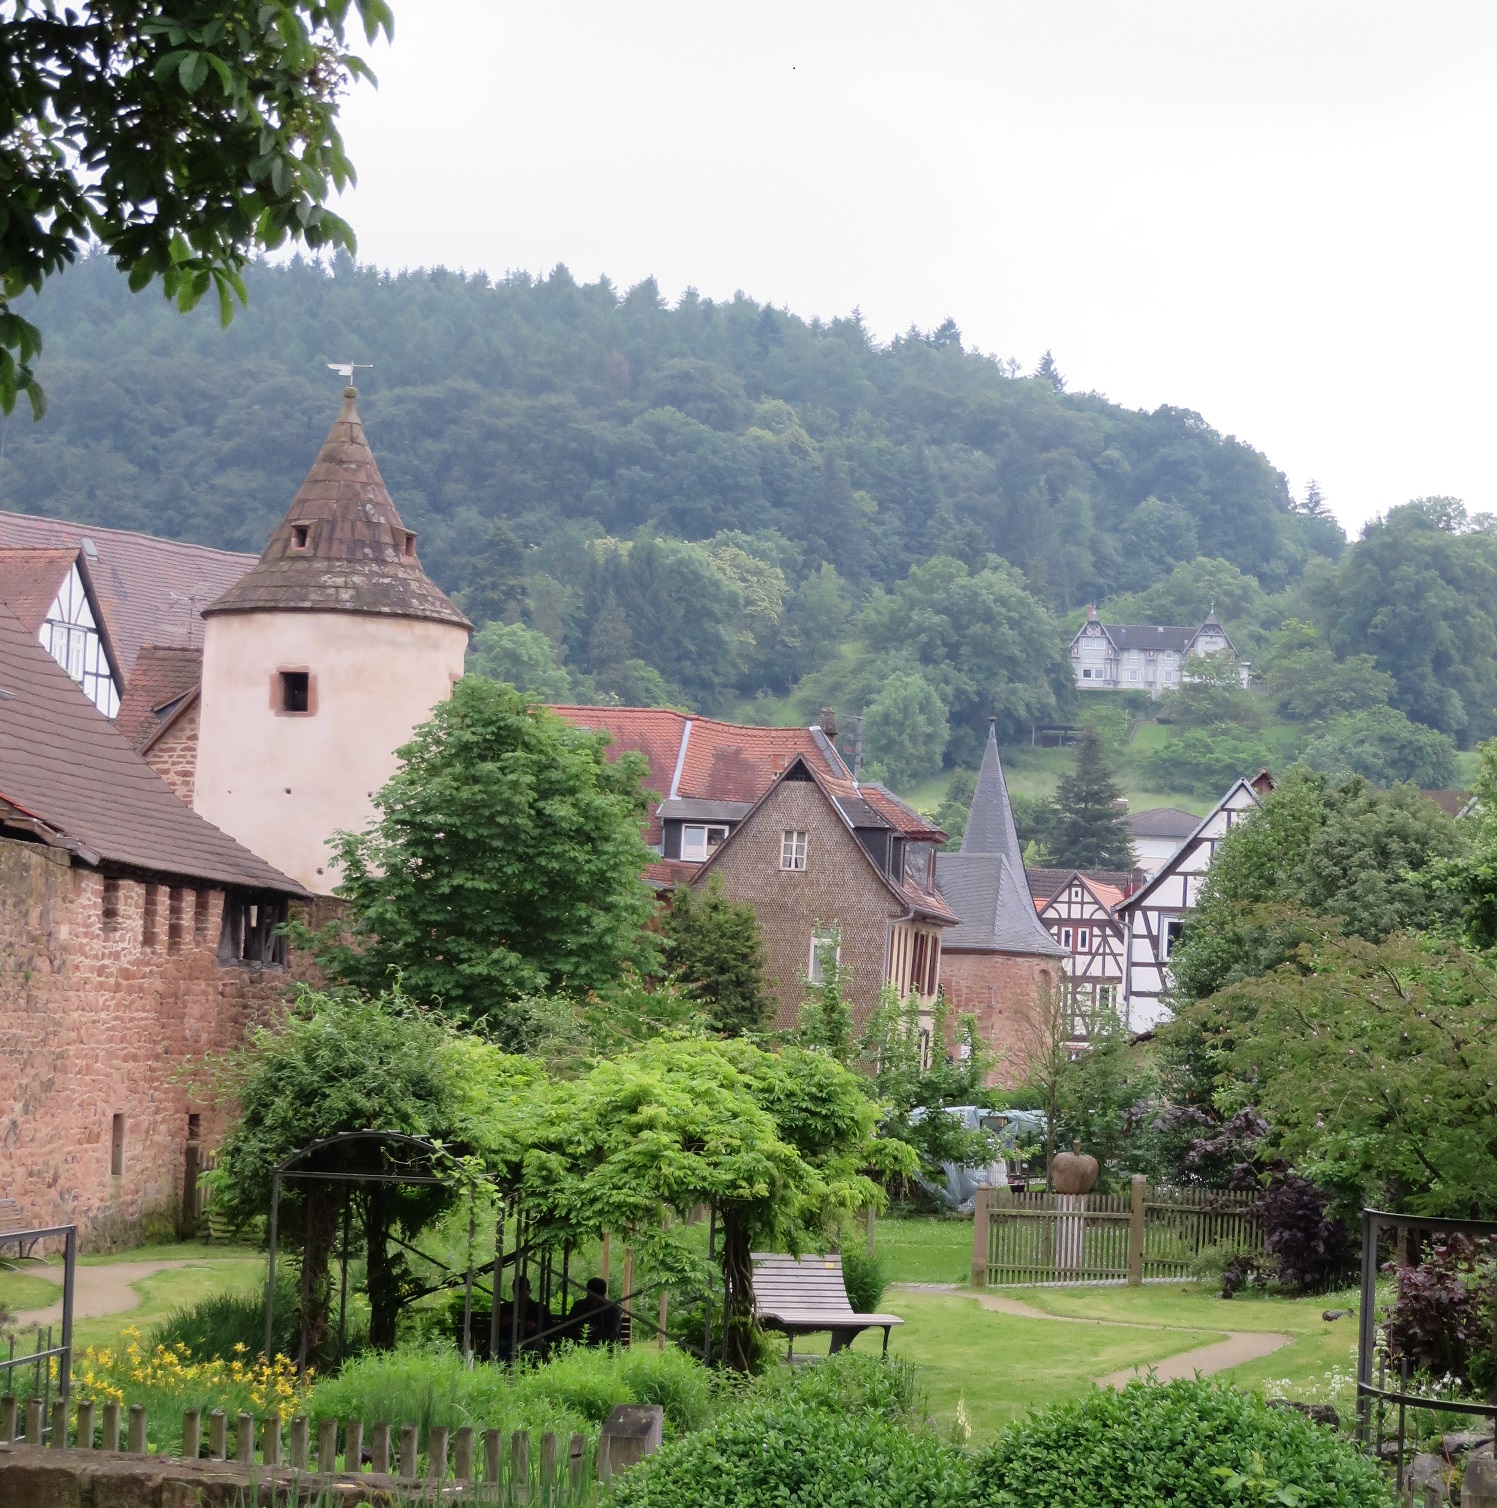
(1191, 1444)
(865, 1275)
(574, 1391)
(837, 1435)
(226, 1325)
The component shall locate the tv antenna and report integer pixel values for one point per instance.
(346, 369)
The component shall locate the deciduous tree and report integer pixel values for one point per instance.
(713, 947)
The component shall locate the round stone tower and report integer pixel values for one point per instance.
(319, 664)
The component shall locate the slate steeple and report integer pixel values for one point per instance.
(984, 880)
(341, 546)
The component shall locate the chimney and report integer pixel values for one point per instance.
(829, 722)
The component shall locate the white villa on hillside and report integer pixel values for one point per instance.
(1141, 656)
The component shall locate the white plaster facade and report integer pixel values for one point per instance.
(283, 782)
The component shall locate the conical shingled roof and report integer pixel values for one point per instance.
(984, 881)
(341, 546)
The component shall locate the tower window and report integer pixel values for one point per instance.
(300, 535)
(117, 1147)
(410, 545)
(295, 691)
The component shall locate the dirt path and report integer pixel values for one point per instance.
(98, 1291)
(1236, 1347)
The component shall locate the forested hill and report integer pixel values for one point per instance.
(555, 444)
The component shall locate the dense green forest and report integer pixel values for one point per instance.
(723, 506)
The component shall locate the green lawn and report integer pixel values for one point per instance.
(924, 1251)
(26, 1289)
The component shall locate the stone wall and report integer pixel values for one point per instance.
(1002, 993)
(111, 993)
(174, 756)
(836, 888)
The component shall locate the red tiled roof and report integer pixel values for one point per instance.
(739, 762)
(30, 580)
(68, 775)
(164, 674)
(148, 590)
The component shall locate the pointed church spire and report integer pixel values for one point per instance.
(990, 821)
(341, 546)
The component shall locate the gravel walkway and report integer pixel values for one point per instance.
(97, 1291)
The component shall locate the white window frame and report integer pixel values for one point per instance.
(793, 843)
(823, 940)
(703, 847)
(1065, 937)
(1084, 939)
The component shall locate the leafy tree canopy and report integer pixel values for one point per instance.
(1381, 744)
(1358, 857)
(713, 947)
(175, 138)
(505, 860)
(1308, 684)
(1416, 593)
(905, 731)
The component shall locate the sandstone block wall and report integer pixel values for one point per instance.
(1002, 992)
(111, 996)
(174, 756)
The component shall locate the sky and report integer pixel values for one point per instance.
(1279, 215)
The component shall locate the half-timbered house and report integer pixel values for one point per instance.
(1154, 916)
(1080, 914)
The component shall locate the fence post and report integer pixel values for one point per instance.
(1136, 1231)
(136, 1444)
(463, 1470)
(270, 1440)
(111, 1440)
(577, 1461)
(218, 1435)
(353, 1445)
(980, 1220)
(244, 1439)
(34, 1421)
(491, 1446)
(408, 1447)
(59, 1440)
(327, 1446)
(379, 1448)
(519, 1464)
(85, 1425)
(436, 1453)
(192, 1433)
(548, 1465)
(299, 1443)
(7, 1418)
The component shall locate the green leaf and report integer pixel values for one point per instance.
(193, 71)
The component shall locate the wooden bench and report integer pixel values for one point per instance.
(11, 1221)
(805, 1295)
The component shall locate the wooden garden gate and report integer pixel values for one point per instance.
(1021, 1239)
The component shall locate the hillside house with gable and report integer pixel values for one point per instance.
(832, 878)
(1154, 915)
(1141, 656)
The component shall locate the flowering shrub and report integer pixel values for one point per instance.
(167, 1380)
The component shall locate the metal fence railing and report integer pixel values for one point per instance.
(39, 1361)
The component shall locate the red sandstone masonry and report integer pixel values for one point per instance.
(174, 756)
(94, 1023)
(1002, 992)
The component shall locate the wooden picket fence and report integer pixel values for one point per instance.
(1023, 1239)
(496, 1470)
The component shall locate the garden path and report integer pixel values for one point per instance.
(1235, 1348)
(98, 1291)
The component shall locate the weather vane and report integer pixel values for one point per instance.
(346, 369)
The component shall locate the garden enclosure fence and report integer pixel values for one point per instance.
(1023, 1239)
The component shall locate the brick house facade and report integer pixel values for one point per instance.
(886, 915)
(172, 751)
(1000, 992)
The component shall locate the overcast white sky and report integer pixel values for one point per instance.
(1279, 214)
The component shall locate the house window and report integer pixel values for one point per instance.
(1084, 939)
(1172, 933)
(700, 842)
(933, 965)
(1132, 675)
(149, 915)
(1107, 996)
(792, 849)
(296, 690)
(1075, 892)
(826, 954)
(117, 1147)
(1065, 937)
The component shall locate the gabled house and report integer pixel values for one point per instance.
(1141, 656)
(1157, 832)
(51, 592)
(833, 876)
(161, 712)
(136, 940)
(1154, 915)
(1000, 960)
(1079, 913)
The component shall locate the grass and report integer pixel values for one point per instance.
(924, 1251)
(24, 1290)
(1191, 1304)
(172, 1289)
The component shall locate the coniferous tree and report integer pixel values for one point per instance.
(713, 947)
(1089, 829)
